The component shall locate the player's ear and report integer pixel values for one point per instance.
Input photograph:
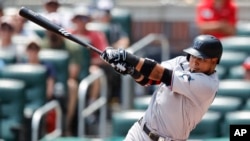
(214, 61)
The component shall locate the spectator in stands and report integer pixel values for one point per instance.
(217, 17)
(51, 5)
(20, 29)
(54, 6)
(21, 34)
(98, 39)
(80, 19)
(55, 41)
(32, 57)
(6, 36)
(117, 38)
(246, 66)
(19, 22)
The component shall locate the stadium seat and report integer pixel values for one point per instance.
(40, 31)
(237, 118)
(60, 59)
(7, 57)
(209, 126)
(236, 43)
(235, 88)
(123, 120)
(224, 104)
(220, 104)
(232, 58)
(97, 26)
(236, 72)
(142, 102)
(34, 77)
(12, 98)
(85, 63)
(247, 105)
(123, 17)
(221, 72)
(243, 28)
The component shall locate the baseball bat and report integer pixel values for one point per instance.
(45, 23)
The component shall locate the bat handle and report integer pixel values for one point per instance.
(97, 50)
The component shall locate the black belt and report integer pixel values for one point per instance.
(152, 136)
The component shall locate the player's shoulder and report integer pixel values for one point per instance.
(172, 62)
(207, 82)
(177, 59)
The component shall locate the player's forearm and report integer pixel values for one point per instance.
(142, 80)
(150, 69)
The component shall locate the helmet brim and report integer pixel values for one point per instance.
(195, 53)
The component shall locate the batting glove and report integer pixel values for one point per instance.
(128, 69)
(113, 56)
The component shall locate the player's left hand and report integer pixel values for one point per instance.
(128, 69)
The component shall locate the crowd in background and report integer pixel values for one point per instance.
(14, 28)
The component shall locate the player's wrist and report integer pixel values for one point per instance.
(132, 59)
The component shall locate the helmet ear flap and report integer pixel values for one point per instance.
(188, 57)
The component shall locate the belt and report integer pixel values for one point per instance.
(151, 135)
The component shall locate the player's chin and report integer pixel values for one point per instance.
(194, 70)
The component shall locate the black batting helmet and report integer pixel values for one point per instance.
(205, 46)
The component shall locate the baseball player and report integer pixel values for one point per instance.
(188, 85)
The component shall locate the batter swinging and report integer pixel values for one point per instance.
(188, 85)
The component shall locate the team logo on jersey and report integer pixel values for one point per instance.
(186, 77)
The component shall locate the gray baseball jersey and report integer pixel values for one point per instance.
(175, 110)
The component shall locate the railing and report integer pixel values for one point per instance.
(127, 83)
(100, 103)
(39, 113)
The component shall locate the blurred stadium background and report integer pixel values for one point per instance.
(159, 29)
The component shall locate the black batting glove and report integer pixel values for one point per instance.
(117, 57)
(113, 56)
(128, 69)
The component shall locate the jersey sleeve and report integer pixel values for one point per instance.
(170, 64)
